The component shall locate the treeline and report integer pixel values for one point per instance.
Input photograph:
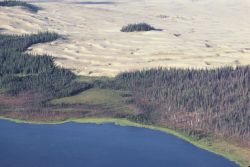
(21, 72)
(21, 43)
(28, 6)
(214, 100)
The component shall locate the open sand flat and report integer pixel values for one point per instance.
(195, 33)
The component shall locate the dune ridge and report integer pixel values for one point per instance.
(196, 33)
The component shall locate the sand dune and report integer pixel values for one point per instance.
(196, 33)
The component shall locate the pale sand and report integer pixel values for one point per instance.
(95, 46)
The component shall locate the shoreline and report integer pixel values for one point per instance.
(124, 122)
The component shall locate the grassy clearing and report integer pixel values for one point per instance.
(93, 96)
(89, 79)
(102, 97)
(232, 152)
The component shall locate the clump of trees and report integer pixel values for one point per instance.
(137, 27)
(28, 6)
(20, 72)
(212, 100)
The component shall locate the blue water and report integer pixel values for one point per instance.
(90, 145)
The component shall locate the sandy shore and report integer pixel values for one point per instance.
(196, 33)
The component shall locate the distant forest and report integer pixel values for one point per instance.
(210, 100)
(21, 72)
(28, 6)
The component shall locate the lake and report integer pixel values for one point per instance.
(91, 145)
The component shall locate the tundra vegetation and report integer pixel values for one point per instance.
(28, 6)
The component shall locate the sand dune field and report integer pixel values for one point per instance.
(195, 33)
